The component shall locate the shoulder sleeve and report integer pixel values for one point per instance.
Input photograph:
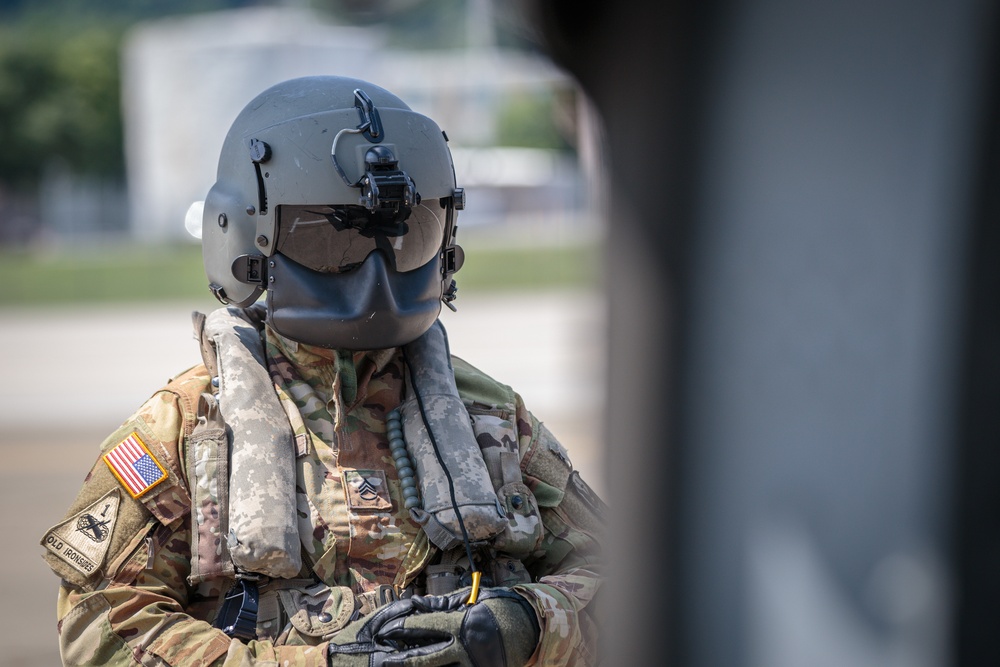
(565, 499)
(480, 390)
(136, 483)
(567, 570)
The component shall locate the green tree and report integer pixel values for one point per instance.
(59, 100)
(538, 119)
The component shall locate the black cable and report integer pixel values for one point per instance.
(437, 452)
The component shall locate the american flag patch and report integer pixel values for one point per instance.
(134, 466)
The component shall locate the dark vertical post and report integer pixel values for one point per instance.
(803, 288)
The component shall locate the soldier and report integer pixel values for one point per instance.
(331, 486)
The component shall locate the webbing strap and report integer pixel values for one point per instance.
(208, 472)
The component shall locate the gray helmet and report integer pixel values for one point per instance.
(340, 201)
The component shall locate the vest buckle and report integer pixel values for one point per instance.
(238, 615)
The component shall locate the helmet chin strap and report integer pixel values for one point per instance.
(370, 307)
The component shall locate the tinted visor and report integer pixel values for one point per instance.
(335, 239)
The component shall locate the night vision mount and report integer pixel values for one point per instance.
(387, 191)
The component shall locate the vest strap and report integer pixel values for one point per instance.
(208, 471)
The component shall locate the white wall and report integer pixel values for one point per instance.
(186, 79)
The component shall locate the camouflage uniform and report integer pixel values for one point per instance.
(127, 595)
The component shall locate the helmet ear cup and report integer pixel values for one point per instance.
(225, 226)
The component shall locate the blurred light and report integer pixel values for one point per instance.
(192, 219)
(500, 167)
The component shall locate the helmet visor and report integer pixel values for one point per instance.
(336, 239)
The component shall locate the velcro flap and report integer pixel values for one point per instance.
(548, 464)
(107, 515)
(318, 611)
(168, 500)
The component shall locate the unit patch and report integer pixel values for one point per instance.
(134, 466)
(367, 490)
(82, 540)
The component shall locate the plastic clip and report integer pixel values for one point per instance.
(238, 616)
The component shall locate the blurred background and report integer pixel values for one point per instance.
(112, 116)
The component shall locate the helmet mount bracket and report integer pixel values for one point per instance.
(386, 191)
(371, 123)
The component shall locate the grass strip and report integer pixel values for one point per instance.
(107, 274)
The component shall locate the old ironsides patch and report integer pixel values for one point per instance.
(367, 490)
(82, 540)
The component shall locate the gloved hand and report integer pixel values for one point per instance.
(359, 644)
(500, 630)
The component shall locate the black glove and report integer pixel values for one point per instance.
(359, 644)
(500, 630)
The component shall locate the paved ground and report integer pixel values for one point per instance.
(72, 376)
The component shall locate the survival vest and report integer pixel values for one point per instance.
(108, 537)
(470, 487)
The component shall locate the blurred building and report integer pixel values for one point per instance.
(185, 80)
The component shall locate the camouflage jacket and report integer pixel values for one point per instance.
(127, 597)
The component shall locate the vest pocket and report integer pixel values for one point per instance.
(508, 572)
(318, 611)
(497, 440)
(523, 533)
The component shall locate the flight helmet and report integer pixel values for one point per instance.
(338, 201)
